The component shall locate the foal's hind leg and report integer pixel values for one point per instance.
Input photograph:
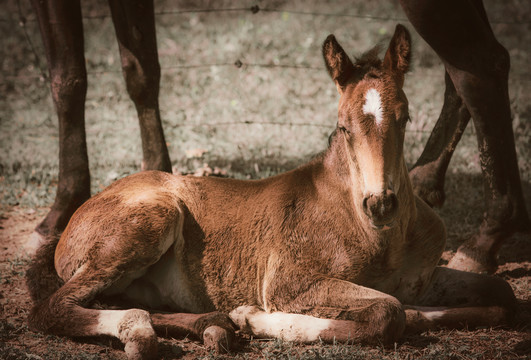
(427, 175)
(457, 299)
(62, 33)
(215, 329)
(63, 313)
(134, 23)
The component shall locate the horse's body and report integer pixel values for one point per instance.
(339, 249)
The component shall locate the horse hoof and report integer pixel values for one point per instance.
(466, 259)
(141, 349)
(137, 334)
(218, 339)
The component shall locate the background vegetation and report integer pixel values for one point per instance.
(266, 116)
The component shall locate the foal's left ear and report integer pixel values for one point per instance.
(398, 54)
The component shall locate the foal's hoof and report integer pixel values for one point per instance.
(218, 339)
(141, 348)
(216, 330)
(137, 333)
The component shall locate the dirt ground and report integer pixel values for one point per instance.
(18, 342)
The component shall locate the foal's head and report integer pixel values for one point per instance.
(372, 115)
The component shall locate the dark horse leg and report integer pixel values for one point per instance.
(134, 23)
(427, 175)
(478, 67)
(62, 33)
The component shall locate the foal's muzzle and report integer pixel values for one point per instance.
(381, 209)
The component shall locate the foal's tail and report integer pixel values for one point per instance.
(41, 278)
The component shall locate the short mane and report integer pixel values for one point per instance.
(369, 63)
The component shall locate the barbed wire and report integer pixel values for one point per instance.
(280, 123)
(238, 63)
(520, 77)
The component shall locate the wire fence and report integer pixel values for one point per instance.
(237, 63)
(255, 9)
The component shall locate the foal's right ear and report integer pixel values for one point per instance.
(337, 62)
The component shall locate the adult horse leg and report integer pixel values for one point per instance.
(427, 175)
(134, 23)
(62, 33)
(478, 67)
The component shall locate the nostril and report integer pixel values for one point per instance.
(365, 206)
(393, 204)
(381, 208)
(388, 201)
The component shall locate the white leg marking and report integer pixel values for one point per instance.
(289, 327)
(373, 105)
(433, 315)
(108, 322)
(430, 313)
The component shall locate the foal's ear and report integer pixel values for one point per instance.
(337, 62)
(398, 55)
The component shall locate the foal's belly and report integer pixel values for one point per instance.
(168, 286)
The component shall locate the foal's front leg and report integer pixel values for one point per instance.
(457, 299)
(330, 310)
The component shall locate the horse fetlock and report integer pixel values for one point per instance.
(416, 322)
(217, 331)
(137, 334)
(240, 316)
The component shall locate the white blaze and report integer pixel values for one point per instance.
(373, 105)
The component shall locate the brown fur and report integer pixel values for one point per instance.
(330, 250)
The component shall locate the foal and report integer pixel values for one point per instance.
(339, 249)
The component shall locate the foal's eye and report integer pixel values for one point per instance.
(344, 129)
(405, 119)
